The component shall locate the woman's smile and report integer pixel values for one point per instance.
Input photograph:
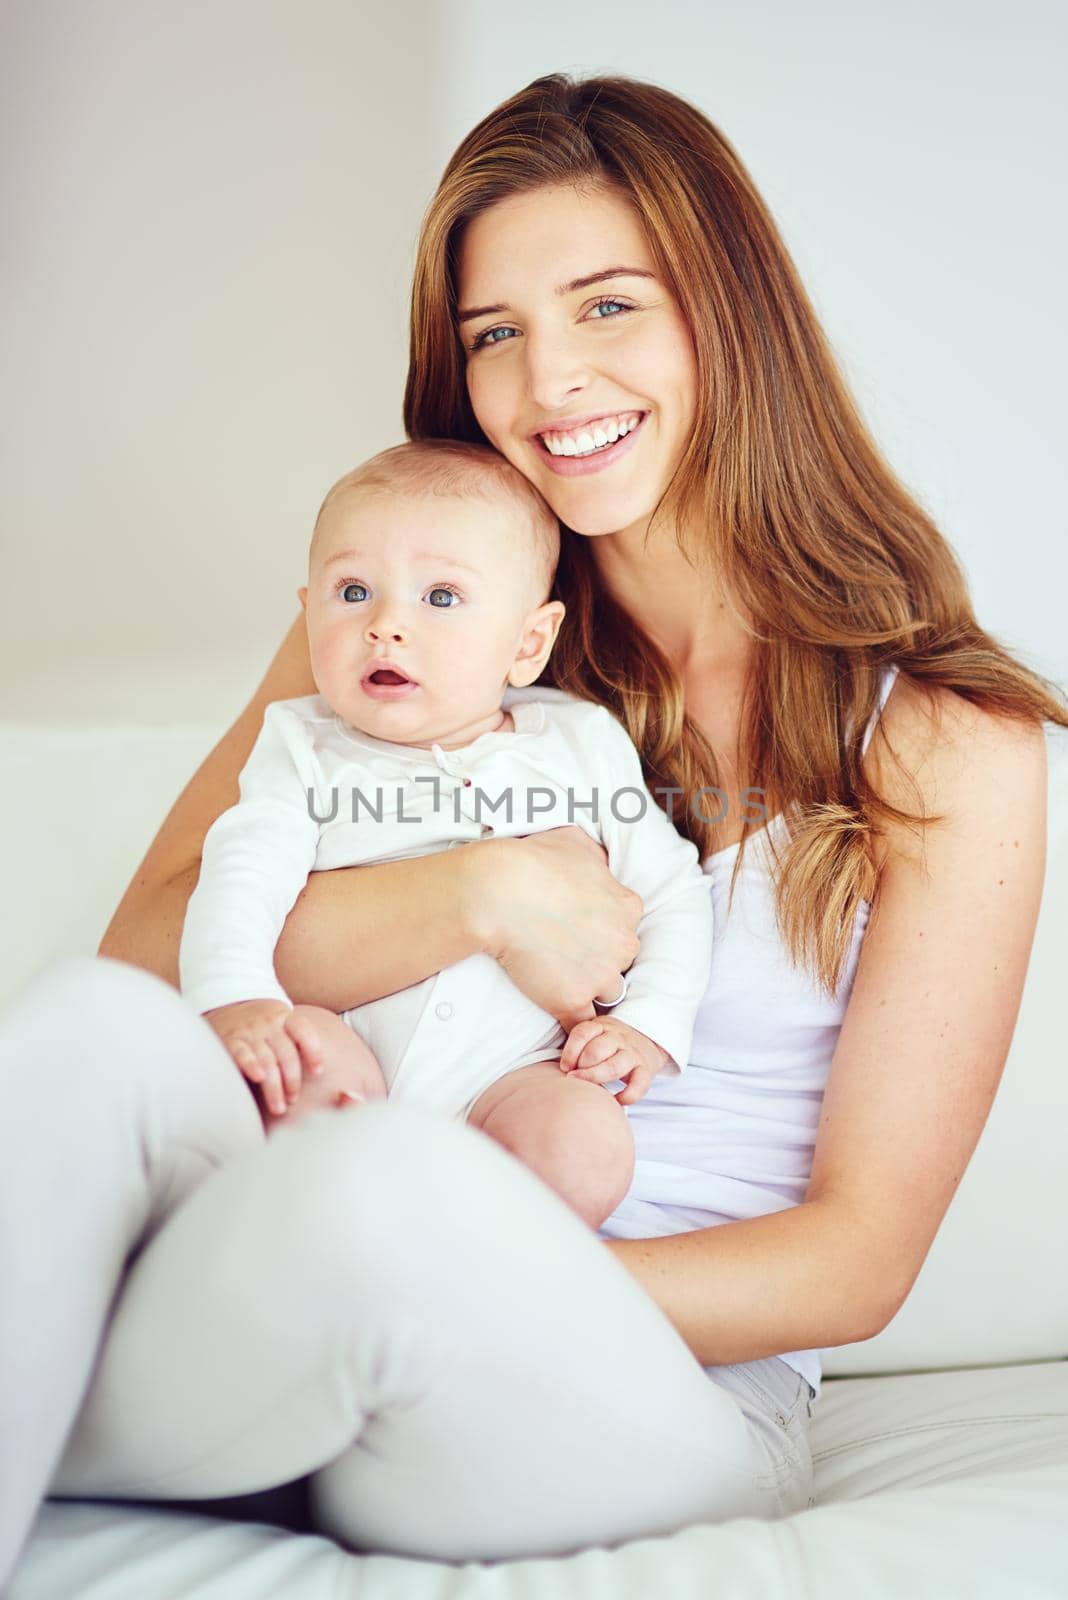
(590, 447)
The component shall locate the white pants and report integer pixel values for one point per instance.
(377, 1299)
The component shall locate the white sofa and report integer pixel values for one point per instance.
(940, 1448)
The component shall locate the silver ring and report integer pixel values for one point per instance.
(609, 1005)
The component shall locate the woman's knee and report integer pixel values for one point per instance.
(407, 1180)
(378, 1149)
(106, 1024)
(75, 992)
(74, 982)
(68, 1006)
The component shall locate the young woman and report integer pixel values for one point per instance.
(388, 1304)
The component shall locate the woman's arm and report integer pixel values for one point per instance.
(917, 1062)
(546, 907)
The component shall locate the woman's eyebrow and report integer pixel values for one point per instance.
(564, 288)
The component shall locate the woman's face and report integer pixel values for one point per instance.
(580, 368)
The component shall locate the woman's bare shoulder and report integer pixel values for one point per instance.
(936, 753)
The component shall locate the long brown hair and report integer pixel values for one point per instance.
(838, 567)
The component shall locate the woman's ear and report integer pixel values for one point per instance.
(302, 596)
(536, 643)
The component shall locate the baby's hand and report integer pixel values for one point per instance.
(606, 1048)
(269, 1042)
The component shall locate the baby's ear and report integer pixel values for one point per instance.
(302, 596)
(535, 646)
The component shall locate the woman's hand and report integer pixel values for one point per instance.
(554, 917)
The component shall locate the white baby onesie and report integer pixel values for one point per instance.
(317, 794)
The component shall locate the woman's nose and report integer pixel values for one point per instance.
(556, 371)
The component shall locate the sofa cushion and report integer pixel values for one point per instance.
(936, 1484)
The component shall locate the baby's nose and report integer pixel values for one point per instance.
(384, 628)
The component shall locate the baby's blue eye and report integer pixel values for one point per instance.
(346, 593)
(448, 605)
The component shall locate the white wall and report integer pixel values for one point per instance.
(211, 210)
(913, 156)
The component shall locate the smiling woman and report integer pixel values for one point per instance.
(753, 592)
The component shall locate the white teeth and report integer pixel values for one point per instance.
(597, 437)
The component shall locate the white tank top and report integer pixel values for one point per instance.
(733, 1136)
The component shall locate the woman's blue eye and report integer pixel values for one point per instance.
(451, 594)
(603, 305)
(488, 337)
(346, 593)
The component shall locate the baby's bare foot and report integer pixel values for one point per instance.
(350, 1072)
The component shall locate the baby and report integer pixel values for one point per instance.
(428, 624)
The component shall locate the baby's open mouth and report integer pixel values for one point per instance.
(383, 675)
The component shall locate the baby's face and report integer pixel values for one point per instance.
(439, 588)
